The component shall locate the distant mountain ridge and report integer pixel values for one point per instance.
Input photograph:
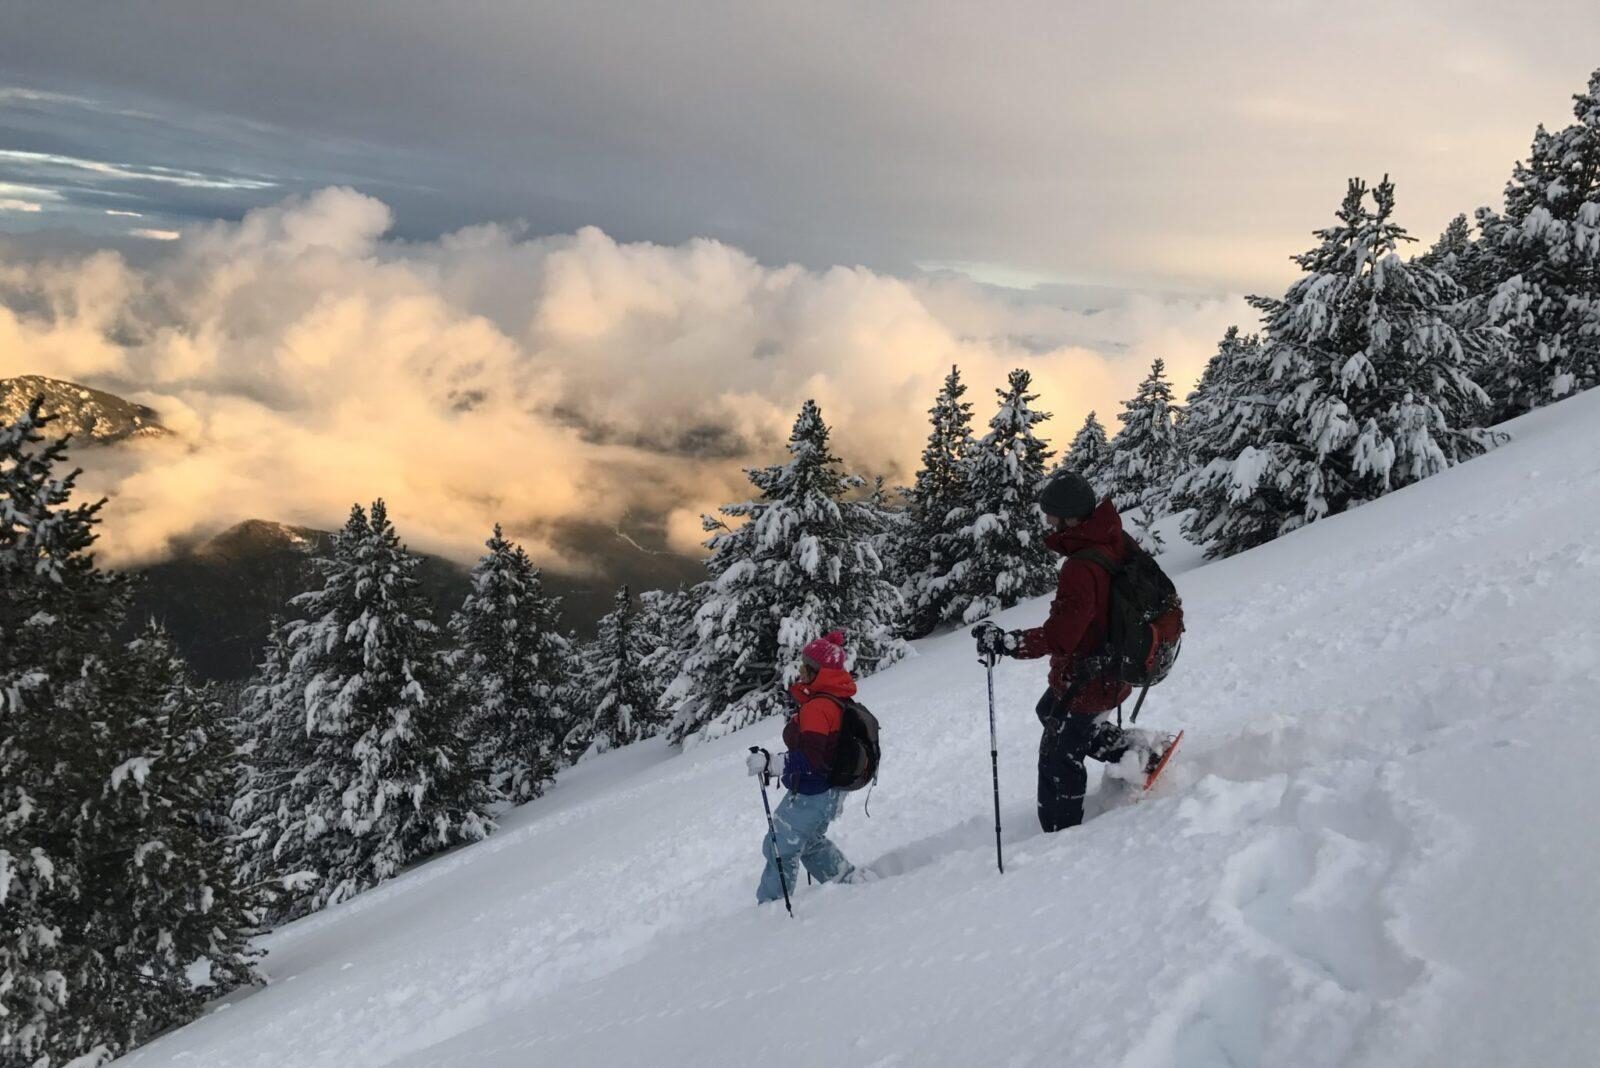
(218, 597)
(91, 416)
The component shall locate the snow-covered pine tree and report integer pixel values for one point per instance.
(799, 563)
(666, 626)
(109, 890)
(893, 520)
(511, 663)
(277, 749)
(1228, 424)
(1002, 557)
(162, 910)
(932, 541)
(618, 706)
(1147, 454)
(1368, 382)
(1546, 252)
(1460, 256)
(1088, 454)
(57, 612)
(386, 778)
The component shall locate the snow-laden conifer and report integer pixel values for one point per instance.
(617, 705)
(1088, 454)
(1147, 454)
(510, 663)
(936, 513)
(667, 633)
(1000, 556)
(1545, 248)
(162, 912)
(1364, 381)
(1225, 428)
(786, 567)
(57, 613)
(119, 912)
(383, 776)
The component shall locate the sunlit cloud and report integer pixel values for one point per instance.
(10, 204)
(156, 235)
(304, 362)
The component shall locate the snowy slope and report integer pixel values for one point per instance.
(1377, 848)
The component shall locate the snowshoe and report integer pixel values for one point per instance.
(1159, 758)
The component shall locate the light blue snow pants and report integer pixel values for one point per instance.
(801, 821)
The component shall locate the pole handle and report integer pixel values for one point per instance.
(766, 774)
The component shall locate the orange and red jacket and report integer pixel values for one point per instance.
(1078, 623)
(812, 733)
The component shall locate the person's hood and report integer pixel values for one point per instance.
(1102, 531)
(833, 682)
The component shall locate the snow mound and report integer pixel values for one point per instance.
(1376, 848)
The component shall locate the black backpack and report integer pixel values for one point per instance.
(855, 761)
(1145, 618)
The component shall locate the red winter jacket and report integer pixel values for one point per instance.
(1078, 616)
(812, 733)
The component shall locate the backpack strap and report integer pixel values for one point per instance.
(1086, 668)
(1097, 557)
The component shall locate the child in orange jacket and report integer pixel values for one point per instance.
(812, 735)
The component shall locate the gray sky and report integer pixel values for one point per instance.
(1170, 145)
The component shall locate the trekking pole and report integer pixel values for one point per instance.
(777, 858)
(1136, 706)
(994, 763)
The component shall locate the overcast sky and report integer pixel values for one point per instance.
(1167, 145)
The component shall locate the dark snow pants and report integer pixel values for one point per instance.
(1067, 740)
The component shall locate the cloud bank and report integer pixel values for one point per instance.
(553, 384)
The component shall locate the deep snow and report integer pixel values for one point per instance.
(1377, 847)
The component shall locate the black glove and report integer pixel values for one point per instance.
(994, 642)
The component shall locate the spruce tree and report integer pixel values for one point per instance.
(1089, 454)
(1545, 249)
(1221, 404)
(383, 777)
(164, 915)
(57, 611)
(1461, 256)
(1001, 556)
(892, 520)
(932, 540)
(618, 707)
(511, 663)
(116, 900)
(799, 562)
(1229, 422)
(1147, 453)
(1366, 379)
(668, 636)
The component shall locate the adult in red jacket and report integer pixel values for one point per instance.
(800, 822)
(1072, 708)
